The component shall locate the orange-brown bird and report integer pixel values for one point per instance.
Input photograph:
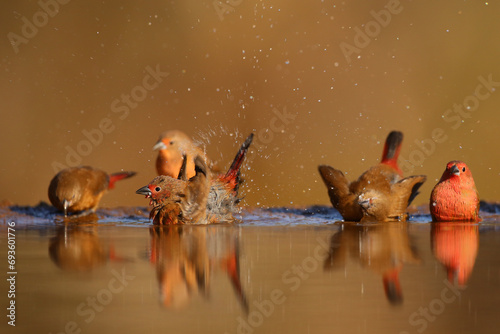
(78, 249)
(186, 258)
(455, 197)
(382, 248)
(79, 189)
(172, 146)
(380, 193)
(202, 199)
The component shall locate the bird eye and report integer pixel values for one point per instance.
(157, 189)
(463, 169)
(171, 142)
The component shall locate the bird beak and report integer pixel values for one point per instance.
(159, 146)
(144, 191)
(455, 171)
(66, 204)
(364, 202)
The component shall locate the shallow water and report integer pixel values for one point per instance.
(279, 271)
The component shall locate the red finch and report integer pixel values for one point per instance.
(202, 199)
(455, 197)
(79, 189)
(455, 245)
(172, 146)
(380, 193)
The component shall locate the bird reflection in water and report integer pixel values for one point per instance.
(186, 258)
(455, 245)
(79, 248)
(381, 248)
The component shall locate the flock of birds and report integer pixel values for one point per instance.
(189, 190)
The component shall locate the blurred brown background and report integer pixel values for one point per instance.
(234, 67)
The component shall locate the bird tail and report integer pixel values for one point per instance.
(392, 286)
(231, 265)
(391, 150)
(232, 176)
(117, 177)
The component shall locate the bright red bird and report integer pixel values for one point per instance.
(79, 189)
(455, 197)
(202, 199)
(172, 146)
(380, 193)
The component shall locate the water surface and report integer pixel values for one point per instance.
(279, 271)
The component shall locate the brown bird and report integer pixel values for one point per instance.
(80, 249)
(172, 146)
(79, 189)
(186, 258)
(202, 199)
(381, 248)
(455, 197)
(380, 193)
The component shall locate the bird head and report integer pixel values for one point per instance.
(159, 189)
(172, 141)
(69, 196)
(368, 201)
(374, 204)
(457, 170)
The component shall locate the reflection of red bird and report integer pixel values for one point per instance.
(172, 146)
(378, 194)
(202, 199)
(455, 246)
(79, 189)
(455, 197)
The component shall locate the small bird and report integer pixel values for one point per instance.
(79, 189)
(172, 146)
(455, 197)
(78, 249)
(381, 248)
(186, 258)
(201, 199)
(456, 245)
(380, 193)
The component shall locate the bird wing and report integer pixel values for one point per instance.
(403, 193)
(341, 196)
(194, 203)
(336, 182)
